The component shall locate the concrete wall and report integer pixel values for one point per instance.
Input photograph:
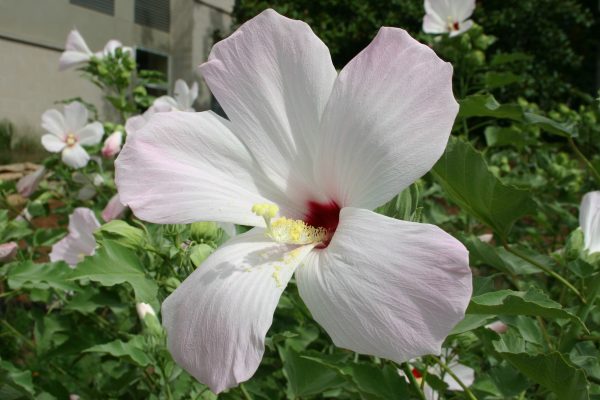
(33, 33)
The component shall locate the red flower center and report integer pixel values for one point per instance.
(456, 26)
(325, 216)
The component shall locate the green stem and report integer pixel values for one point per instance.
(584, 159)
(408, 372)
(557, 276)
(245, 392)
(464, 387)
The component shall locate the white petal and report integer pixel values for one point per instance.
(164, 104)
(76, 51)
(589, 220)
(183, 95)
(28, 184)
(462, 372)
(216, 321)
(388, 288)
(76, 116)
(135, 123)
(114, 209)
(442, 10)
(463, 27)
(52, 143)
(8, 251)
(80, 241)
(111, 47)
(462, 9)
(90, 134)
(75, 156)
(54, 122)
(387, 122)
(184, 167)
(432, 24)
(273, 77)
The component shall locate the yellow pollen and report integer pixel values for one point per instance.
(71, 140)
(288, 231)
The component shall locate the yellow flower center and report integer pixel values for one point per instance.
(288, 231)
(71, 140)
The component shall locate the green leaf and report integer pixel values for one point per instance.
(551, 370)
(403, 206)
(28, 275)
(496, 136)
(533, 302)
(499, 79)
(14, 381)
(485, 105)
(465, 177)
(114, 264)
(135, 350)
(307, 377)
(557, 128)
(126, 234)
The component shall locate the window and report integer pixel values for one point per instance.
(153, 14)
(153, 61)
(103, 6)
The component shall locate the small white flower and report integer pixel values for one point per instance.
(112, 144)
(80, 241)
(78, 53)
(8, 251)
(448, 16)
(68, 131)
(589, 220)
(114, 209)
(28, 184)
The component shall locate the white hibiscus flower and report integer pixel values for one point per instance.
(448, 16)
(304, 157)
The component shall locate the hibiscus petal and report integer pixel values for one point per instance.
(183, 94)
(76, 116)
(54, 122)
(273, 77)
(80, 241)
(387, 122)
(76, 51)
(90, 134)
(114, 209)
(184, 167)
(52, 143)
(216, 321)
(462, 9)
(388, 288)
(589, 220)
(75, 156)
(432, 24)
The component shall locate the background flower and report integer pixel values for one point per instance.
(448, 16)
(80, 241)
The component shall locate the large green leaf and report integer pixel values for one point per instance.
(29, 275)
(135, 350)
(121, 231)
(485, 105)
(114, 264)
(553, 371)
(563, 129)
(465, 177)
(307, 377)
(533, 302)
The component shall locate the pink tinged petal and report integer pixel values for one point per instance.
(54, 122)
(75, 156)
(164, 104)
(216, 321)
(76, 116)
(185, 167)
(273, 77)
(8, 251)
(589, 220)
(387, 121)
(80, 241)
(28, 184)
(111, 47)
(52, 143)
(497, 326)
(112, 145)
(133, 124)
(76, 51)
(90, 134)
(114, 209)
(388, 288)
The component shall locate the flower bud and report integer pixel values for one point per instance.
(497, 326)
(144, 309)
(112, 144)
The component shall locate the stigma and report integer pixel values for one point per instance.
(70, 140)
(289, 231)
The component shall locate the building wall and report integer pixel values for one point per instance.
(32, 37)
